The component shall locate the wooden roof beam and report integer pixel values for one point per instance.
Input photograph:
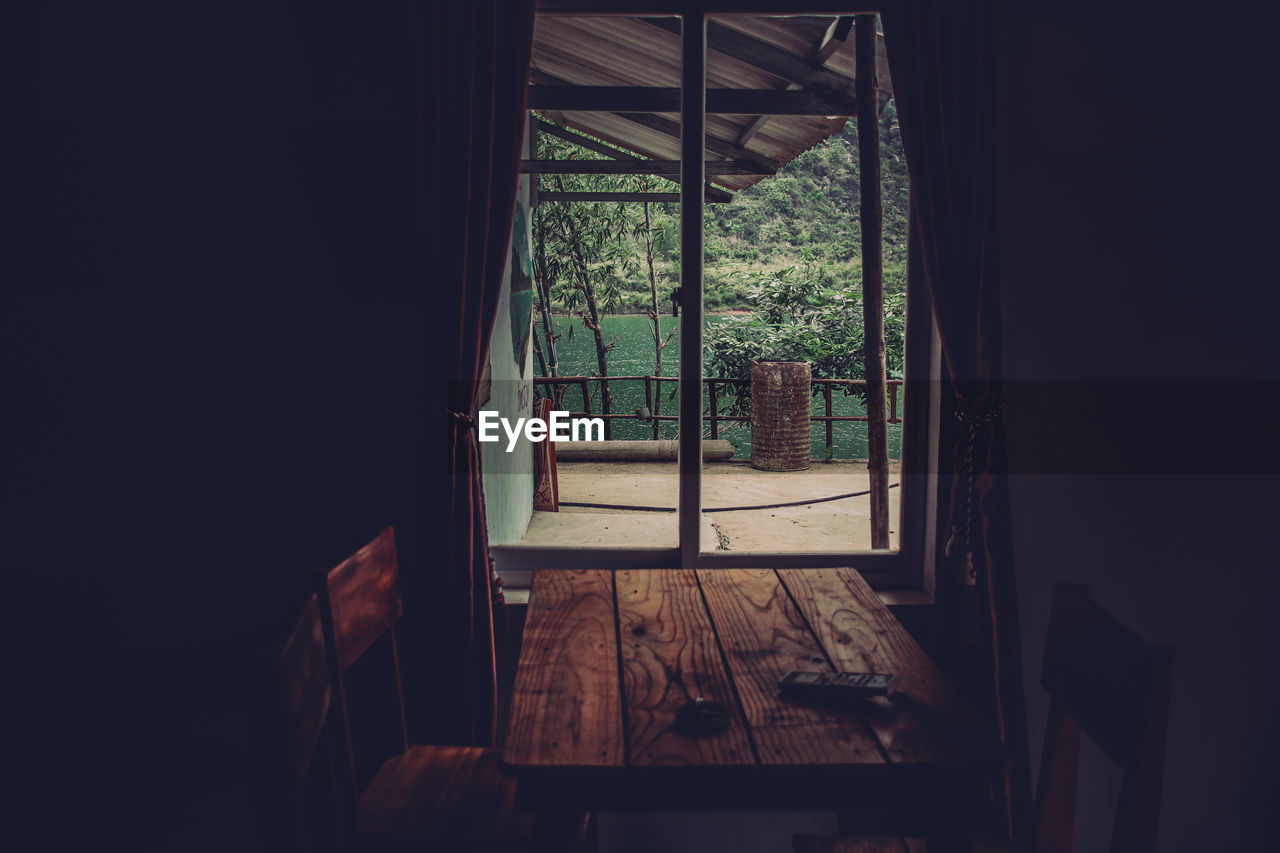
(714, 144)
(834, 38)
(715, 195)
(639, 99)
(606, 197)
(586, 142)
(768, 58)
(555, 117)
(667, 127)
(663, 168)
(632, 8)
(757, 124)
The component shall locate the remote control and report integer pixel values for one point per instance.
(797, 684)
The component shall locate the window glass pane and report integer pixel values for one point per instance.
(600, 334)
(784, 304)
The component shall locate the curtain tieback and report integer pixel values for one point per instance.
(463, 417)
(498, 593)
(962, 533)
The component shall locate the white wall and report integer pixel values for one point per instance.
(508, 477)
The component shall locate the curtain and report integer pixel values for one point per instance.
(941, 56)
(475, 58)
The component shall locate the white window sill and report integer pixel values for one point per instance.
(891, 597)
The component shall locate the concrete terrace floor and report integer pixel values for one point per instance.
(838, 525)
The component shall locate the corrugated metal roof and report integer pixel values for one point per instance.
(636, 52)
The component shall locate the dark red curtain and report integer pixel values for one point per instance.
(942, 59)
(475, 62)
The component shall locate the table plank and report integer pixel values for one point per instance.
(565, 706)
(669, 656)
(764, 636)
(924, 720)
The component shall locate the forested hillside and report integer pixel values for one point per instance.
(806, 214)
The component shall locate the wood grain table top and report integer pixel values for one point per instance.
(609, 656)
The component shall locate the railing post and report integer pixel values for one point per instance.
(653, 397)
(715, 414)
(648, 401)
(605, 406)
(826, 394)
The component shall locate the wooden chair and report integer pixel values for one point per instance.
(1104, 680)
(449, 795)
(304, 676)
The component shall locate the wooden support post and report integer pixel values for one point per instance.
(872, 279)
(586, 398)
(693, 147)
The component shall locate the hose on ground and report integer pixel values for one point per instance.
(726, 508)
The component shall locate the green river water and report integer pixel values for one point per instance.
(633, 356)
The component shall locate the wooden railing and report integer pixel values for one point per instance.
(712, 416)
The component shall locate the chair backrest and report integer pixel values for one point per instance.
(359, 602)
(307, 699)
(305, 676)
(1105, 680)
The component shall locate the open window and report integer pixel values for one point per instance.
(670, 118)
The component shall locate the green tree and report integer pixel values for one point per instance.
(797, 318)
(584, 253)
(655, 238)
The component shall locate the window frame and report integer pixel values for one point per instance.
(911, 566)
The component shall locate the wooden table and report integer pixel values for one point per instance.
(608, 657)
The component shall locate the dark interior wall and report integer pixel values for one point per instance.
(220, 343)
(1136, 191)
(215, 344)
